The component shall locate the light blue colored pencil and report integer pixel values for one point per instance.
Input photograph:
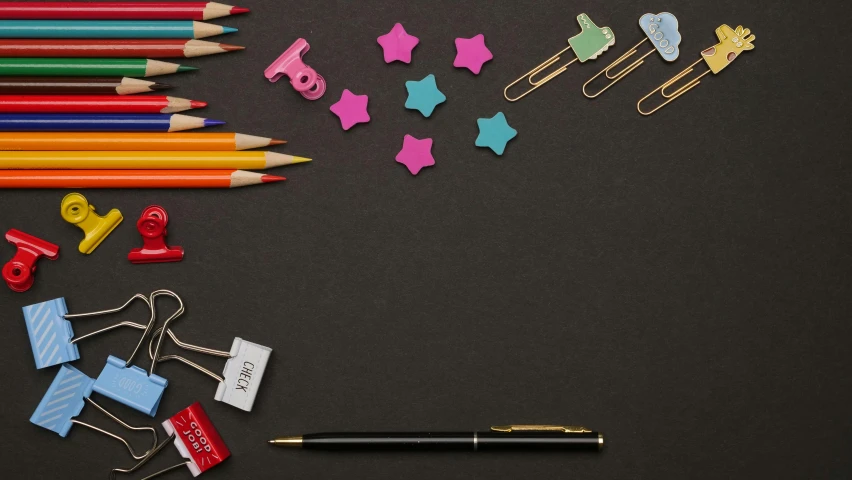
(109, 29)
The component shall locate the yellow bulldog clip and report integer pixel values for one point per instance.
(77, 210)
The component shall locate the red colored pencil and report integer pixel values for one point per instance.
(133, 178)
(143, 48)
(116, 10)
(95, 104)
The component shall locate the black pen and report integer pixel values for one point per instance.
(508, 437)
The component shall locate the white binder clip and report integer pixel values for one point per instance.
(243, 370)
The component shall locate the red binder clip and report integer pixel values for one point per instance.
(303, 78)
(152, 227)
(19, 272)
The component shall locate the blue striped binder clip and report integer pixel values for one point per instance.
(64, 400)
(131, 386)
(52, 338)
(50, 333)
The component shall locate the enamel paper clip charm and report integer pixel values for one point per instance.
(662, 31)
(732, 42)
(587, 45)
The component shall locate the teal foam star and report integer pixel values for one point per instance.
(424, 95)
(495, 133)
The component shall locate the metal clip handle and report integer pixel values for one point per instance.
(540, 428)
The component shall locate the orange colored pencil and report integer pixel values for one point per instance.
(133, 178)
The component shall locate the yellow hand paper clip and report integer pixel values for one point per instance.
(732, 42)
(75, 209)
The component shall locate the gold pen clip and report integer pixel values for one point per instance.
(540, 428)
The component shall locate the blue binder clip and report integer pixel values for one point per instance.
(52, 338)
(64, 400)
(131, 385)
(50, 333)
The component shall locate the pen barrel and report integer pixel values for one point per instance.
(461, 441)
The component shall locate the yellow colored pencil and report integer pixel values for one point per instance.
(112, 160)
(135, 141)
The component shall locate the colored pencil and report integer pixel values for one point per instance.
(95, 104)
(76, 86)
(116, 10)
(112, 160)
(69, 122)
(88, 67)
(132, 178)
(109, 29)
(153, 48)
(136, 141)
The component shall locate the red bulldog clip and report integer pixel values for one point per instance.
(152, 227)
(19, 272)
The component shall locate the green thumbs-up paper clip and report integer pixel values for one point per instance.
(587, 45)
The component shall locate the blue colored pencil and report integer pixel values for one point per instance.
(109, 29)
(33, 122)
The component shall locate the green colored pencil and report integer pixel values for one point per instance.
(88, 67)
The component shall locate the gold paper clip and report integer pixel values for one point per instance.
(662, 31)
(732, 42)
(588, 44)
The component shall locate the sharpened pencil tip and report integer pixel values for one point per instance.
(186, 68)
(229, 30)
(159, 86)
(213, 123)
(197, 104)
(238, 10)
(231, 48)
(271, 179)
(273, 141)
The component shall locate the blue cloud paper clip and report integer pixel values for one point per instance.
(661, 29)
(64, 400)
(52, 338)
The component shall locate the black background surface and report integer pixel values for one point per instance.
(679, 282)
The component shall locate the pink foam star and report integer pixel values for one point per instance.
(351, 109)
(398, 44)
(472, 53)
(416, 154)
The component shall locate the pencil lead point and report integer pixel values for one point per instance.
(159, 86)
(229, 30)
(231, 48)
(271, 179)
(186, 68)
(197, 104)
(273, 141)
(238, 10)
(212, 123)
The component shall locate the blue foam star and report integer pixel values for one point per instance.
(424, 95)
(495, 133)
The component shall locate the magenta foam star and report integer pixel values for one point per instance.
(351, 109)
(398, 44)
(472, 53)
(416, 154)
